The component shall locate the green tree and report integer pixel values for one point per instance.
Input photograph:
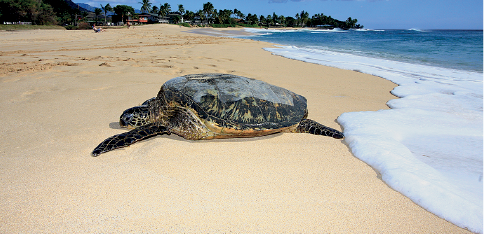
(63, 12)
(176, 19)
(223, 16)
(181, 9)
(189, 15)
(123, 11)
(155, 10)
(282, 20)
(106, 9)
(275, 18)
(33, 11)
(262, 20)
(200, 15)
(208, 10)
(304, 18)
(164, 10)
(269, 20)
(145, 6)
(351, 23)
(251, 19)
(97, 12)
(238, 14)
(291, 22)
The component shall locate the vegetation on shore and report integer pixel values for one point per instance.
(15, 27)
(59, 12)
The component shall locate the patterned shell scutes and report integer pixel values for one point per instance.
(234, 101)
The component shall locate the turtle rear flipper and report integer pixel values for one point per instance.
(313, 127)
(128, 138)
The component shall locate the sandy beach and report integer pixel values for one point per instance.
(62, 93)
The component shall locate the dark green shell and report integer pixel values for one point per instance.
(234, 101)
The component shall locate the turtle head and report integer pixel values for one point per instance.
(135, 117)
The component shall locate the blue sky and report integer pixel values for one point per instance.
(373, 14)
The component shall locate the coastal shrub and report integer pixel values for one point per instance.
(249, 25)
(83, 26)
(185, 25)
(71, 27)
(223, 25)
(234, 25)
(12, 27)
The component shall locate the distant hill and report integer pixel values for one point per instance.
(80, 6)
(89, 8)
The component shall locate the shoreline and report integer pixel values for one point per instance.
(65, 91)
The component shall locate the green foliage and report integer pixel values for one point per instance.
(33, 11)
(181, 9)
(185, 25)
(164, 9)
(14, 27)
(123, 11)
(145, 5)
(176, 18)
(65, 14)
(248, 25)
(209, 11)
(106, 9)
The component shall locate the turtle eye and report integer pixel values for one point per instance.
(125, 119)
(134, 117)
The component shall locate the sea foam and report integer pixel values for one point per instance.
(429, 145)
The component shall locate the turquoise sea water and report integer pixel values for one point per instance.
(457, 49)
(429, 145)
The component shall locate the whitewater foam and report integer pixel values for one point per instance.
(428, 146)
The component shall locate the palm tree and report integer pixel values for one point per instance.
(251, 19)
(282, 19)
(145, 6)
(181, 9)
(304, 18)
(238, 14)
(189, 15)
(106, 9)
(176, 19)
(164, 10)
(155, 10)
(275, 18)
(123, 11)
(201, 15)
(208, 10)
(298, 18)
(269, 20)
(262, 20)
(224, 16)
(97, 12)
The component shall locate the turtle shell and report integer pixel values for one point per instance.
(235, 102)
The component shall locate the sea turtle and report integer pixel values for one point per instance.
(208, 106)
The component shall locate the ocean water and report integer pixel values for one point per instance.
(429, 145)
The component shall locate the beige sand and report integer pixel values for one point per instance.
(62, 93)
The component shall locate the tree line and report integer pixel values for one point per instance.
(232, 17)
(41, 12)
(60, 12)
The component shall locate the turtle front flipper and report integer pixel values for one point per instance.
(128, 138)
(313, 127)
